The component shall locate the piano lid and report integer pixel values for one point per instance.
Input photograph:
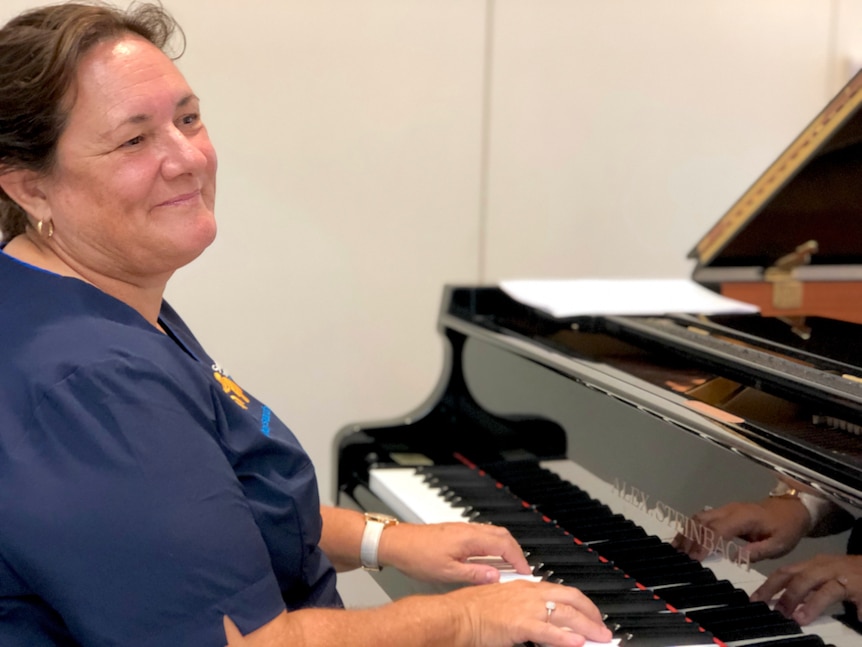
(789, 400)
(812, 192)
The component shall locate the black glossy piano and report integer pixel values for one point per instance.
(593, 439)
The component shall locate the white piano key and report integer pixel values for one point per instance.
(409, 497)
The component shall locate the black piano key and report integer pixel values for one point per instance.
(468, 477)
(638, 553)
(747, 612)
(484, 505)
(651, 625)
(664, 636)
(478, 486)
(587, 569)
(594, 525)
(443, 469)
(595, 570)
(751, 620)
(693, 596)
(561, 502)
(532, 534)
(555, 539)
(627, 602)
(648, 562)
(600, 536)
(524, 516)
(650, 565)
(570, 558)
(479, 494)
(517, 471)
(633, 545)
(765, 628)
(679, 574)
(576, 509)
(632, 621)
(590, 586)
(732, 629)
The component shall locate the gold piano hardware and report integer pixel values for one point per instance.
(798, 326)
(786, 290)
(698, 331)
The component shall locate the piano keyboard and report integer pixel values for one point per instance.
(611, 549)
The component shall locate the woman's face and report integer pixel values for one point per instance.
(133, 188)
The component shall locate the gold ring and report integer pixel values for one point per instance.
(551, 607)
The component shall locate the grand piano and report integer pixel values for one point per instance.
(606, 433)
(594, 439)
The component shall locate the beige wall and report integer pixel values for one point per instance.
(373, 150)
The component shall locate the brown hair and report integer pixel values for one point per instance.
(39, 55)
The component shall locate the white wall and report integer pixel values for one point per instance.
(373, 150)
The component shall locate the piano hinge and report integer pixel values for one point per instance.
(787, 291)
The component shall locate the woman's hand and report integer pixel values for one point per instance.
(773, 527)
(440, 552)
(494, 615)
(810, 587)
(500, 615)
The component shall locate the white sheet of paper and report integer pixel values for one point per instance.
(579, 297)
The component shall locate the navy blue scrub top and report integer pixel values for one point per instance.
(143, 493)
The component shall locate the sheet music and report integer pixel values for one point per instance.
(582, 297)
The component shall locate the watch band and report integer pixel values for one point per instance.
(375, 523)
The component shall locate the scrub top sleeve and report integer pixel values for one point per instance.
(130, 521)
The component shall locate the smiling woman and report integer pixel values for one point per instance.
(145, 497)
(133, 144)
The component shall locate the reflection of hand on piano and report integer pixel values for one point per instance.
(773, 527)
(812, 586)
(452, 552)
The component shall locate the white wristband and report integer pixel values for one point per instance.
(375, 523)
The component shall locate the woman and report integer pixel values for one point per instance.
(145, 498)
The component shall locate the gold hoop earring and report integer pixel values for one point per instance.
(44, 231)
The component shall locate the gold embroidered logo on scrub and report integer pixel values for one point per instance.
(232, 388)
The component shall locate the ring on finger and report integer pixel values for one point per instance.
(842, 580)
(550, 607)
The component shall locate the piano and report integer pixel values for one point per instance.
(593, 439)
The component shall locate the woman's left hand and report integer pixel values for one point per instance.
(810, 587)
(441, 552)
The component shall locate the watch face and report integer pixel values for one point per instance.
(385, 519)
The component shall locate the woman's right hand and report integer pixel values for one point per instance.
(500, 615)
(486, 615)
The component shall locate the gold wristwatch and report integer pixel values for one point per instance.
(375, 524)
(783, 489)
(814, 505)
